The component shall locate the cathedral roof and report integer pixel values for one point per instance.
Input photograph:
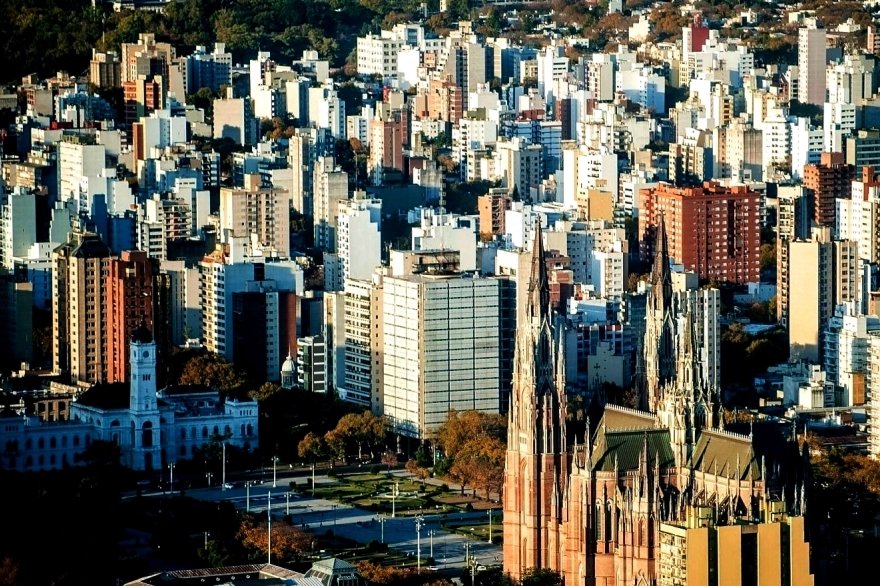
(617, 417)
(726, 454)
(106, 396)
(623, 448)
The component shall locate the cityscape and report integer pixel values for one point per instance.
(439, 293)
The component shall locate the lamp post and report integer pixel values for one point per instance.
(288, 503)
(394, 493)
(269, 514)
(208, 476)
(247, 498)
(171, 467)
(419, 520)
(431, 534)
(224, 466)
(490, 525)
(313, 480)
(382, 524)
(274, 471)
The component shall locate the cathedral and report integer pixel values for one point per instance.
(591, 507)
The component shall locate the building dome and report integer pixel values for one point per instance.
(289, 365)
(142, 335)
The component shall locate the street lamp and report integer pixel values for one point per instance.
(171, 467)
(313, 480)
(208, 476)
(431, 534)
(382, 524)
(394, 492)
(247, 501)
(224, 466)
(419, 521)
(490, 525)
(274, 472)
(269, 514)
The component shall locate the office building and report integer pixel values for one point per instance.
(105, 69)
(442, 349)
(311, 360)
(792, 223)
(491, 208)
(363, 344)
(863, 148)
(359, 237)
(264, 328)
(330, 190)
(519, 166)
(714, 231)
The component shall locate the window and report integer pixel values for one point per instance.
(147, 434)
(52, 442)
(205, 431)
(76, 441)
(41, 443)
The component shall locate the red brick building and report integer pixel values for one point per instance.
(712, 230)
(826, 182)
(128, 299)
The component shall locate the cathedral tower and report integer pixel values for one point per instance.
(659, 346)
(536, 470)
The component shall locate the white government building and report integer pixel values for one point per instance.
(153, 428)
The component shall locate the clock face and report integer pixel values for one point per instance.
(146, 354)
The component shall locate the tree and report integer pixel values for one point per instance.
(9, 572)
(213, 371)
(362, 429)
(287, 540)
(463, 427)
(419, 472)
(265, 391)
(540, 577)
(312, 448)
(768, 256)
(376, 574)
(389, 458)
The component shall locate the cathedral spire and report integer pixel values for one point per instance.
(539, 283)
(660, 275)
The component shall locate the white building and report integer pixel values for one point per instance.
(811, 65)
(440, 231)
(441, 351)
(18, 226)
(77, 158)
(359, 237)
(152, 428)
(846, 353)
(363, 332)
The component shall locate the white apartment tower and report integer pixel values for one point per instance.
(330, 189)
(359, 237)
(811, 64)
(441, 350)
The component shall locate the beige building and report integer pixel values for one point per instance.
(821, 275)
(258, 211)
(698, 552)
(105, 69)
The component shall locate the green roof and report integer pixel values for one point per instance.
(625, 418)
(723, 453)
(625, 447)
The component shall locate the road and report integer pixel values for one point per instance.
(362, 526)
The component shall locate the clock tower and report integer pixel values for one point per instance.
(143, 370)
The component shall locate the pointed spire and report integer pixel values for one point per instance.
(660, 276)
(539, 283)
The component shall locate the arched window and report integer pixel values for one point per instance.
(64, 459)
(205, 431)
(183, 434)
(243, 428)
(193, 433)
(41, 460)
(52, 459)
(29, 444)
(599, 517)
(250, 430)
(227, 430)
(88, 440)
(53, 443)
(608, 523)
(114, 423)
(216, 430)
(641, 532)
(76, 441)
(63, 441)
(147, 434)
(41, 443)
(183, 451)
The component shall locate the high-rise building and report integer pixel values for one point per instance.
(143, 96)
(846, 354)
(264, 328)
(16, 322)
(311, 360)
(202, 69)
(146, 57)
(105, 69)
(792, 223)
(387, 138)
(491, 208)
(234, 119)
(363, 334)
(519, 166)
(858, 219)
(260, 212)
(713, 230)
(330, 189)
(359, 237)
(811, 65)
(78, 317)
(78, 157)
(18, 226)
(863, 148)
(827, 182)
(442, 349)
(821, 275)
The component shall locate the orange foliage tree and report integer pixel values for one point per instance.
(287, 540)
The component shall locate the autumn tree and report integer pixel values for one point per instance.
(364, 430)
(312, 448)
(265, 391)
(540, 577)
(287, 540)
(213, 371)
(419, 472)
(376, 574)
(465, 426)
(389, 458)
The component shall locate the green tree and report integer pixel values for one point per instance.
(213, 371)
